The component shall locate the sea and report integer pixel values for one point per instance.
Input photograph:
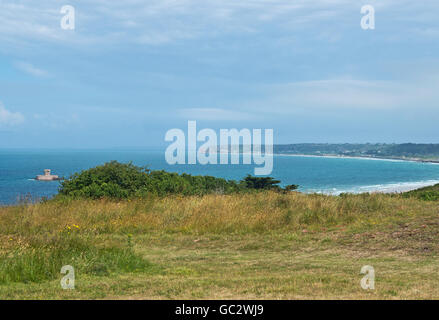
(328, 175)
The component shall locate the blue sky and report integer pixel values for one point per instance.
(131, 70)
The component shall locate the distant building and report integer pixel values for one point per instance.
(47, 176)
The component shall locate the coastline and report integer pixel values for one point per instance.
(389, 188)
(336, 156)
(382, 188)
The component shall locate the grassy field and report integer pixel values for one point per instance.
(260, 246)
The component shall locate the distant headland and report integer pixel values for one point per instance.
(405, 151)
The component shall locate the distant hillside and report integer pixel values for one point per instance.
(398, 151)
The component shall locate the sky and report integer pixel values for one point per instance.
(132, 70)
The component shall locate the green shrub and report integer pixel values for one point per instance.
(427, 193)
(121, 181)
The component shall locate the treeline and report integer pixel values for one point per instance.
(122, 181)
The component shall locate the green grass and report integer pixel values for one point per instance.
(259, 246)
(427, 193)
(41, 259)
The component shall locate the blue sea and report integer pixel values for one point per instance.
(18, 169)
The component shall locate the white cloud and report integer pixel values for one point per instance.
(57, 121)
(337, 94)
(214, 114)
(158, 22)
(8, 118)
(30, 69)
(344, 94)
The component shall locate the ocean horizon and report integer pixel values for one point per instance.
(313, 174)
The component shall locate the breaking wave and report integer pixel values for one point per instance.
(380, 188)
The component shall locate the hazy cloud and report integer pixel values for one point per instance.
(157, 22)
(344, 94)
(214, 114)
(30, 69)
(57, 121)
(8, 118)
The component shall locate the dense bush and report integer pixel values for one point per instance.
(118, 180)
(112, 179)
(427, 193)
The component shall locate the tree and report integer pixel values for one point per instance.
(261, 183)
(291, 187)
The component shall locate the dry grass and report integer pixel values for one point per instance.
(265, 245)
(263, 212)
